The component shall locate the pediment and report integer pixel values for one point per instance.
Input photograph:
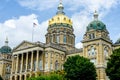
(24, 45)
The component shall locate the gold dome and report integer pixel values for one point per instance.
(60, 17)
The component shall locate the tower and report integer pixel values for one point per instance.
(60, 29)
(97, 45)
(5, 61)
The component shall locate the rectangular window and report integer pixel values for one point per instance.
(58, 39)
(64, 39)
(40, 65)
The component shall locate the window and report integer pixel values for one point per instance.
(64, 39)
(51, 55)
(51, 65)
(92, 51)
(8, 68)
(34, 65)
(105, 52)
(58, 38)
(91, 36)
(40, 64)
(46, 66)
(56, 65)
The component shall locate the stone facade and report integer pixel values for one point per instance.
(35, 58)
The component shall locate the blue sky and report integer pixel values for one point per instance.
(17, 17)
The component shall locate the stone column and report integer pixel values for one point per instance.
(32, 61)
(20, 77)
(22, 63)
(27, 61)
(37, 63)
(25, 77)
(12, 70)
(17, 63)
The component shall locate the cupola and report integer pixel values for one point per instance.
(60, 17)
(5, 49)
(96, 24)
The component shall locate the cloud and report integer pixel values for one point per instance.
(79, 45)
(38, 4)
(20, 29)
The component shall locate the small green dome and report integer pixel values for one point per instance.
(96, 25)
(5, 49)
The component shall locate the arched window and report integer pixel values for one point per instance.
(56, 65)
(106, 52)
(46, 66)
(51, 65)
(92, 51)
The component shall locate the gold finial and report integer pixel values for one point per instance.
(95, 15)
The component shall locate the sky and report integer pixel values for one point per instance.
(17, 18)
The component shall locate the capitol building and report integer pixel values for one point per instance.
(30, 59)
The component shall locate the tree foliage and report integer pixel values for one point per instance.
(1, 78)
(79, 68)
(52, 76)
(113, 65)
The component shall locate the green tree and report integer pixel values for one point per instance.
(1, 78)
(52, 76)
(79, 68)
(113, 65)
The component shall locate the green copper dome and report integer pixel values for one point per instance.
(96, 24)
(6, 48)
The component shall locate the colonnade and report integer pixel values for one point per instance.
(25, 63)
